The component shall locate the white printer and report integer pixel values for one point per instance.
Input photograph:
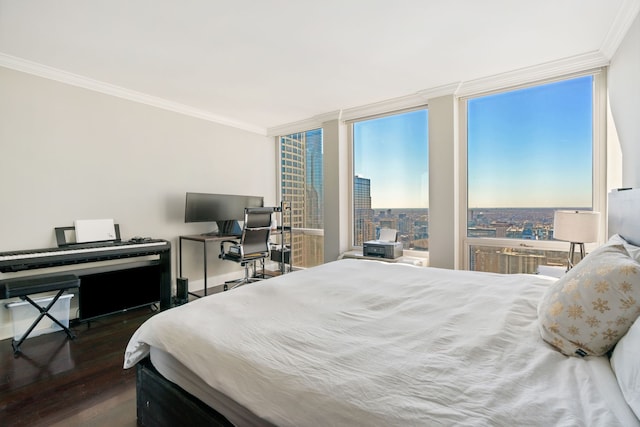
(385, 247)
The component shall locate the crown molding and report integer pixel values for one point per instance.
(314, 122)
(327, 117)
(548, 70)
(66, 77)
(624, 19)
(444, 90)
(394, 104)
(293, 127)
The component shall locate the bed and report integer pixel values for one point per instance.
(368, 343)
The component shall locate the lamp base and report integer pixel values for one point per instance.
(572, 251)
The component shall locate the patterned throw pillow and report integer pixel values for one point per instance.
(591, 307)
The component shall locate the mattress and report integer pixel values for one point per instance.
(367, 343)
(177, 373)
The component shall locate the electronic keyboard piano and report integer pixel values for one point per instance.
(78, 253)
(142, 278)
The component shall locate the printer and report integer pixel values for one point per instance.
(385, 247)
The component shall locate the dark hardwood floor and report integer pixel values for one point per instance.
(57, 381)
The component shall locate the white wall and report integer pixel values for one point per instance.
(624, 98)
(68, 153)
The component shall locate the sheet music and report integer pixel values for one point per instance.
(94, 230)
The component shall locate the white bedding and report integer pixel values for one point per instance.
(367, 343)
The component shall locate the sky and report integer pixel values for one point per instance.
(530, 147)
(392, 152)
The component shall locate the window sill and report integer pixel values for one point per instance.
(405, 259)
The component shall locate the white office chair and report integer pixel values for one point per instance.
(253, 244)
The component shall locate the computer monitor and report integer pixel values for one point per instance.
(223, 209)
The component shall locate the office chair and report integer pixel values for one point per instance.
(253, 244)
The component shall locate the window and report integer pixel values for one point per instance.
(530, 152)
(302, 187)
(390, 183)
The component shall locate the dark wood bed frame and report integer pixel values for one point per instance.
(162, 403)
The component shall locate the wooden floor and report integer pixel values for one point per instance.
(57, 381)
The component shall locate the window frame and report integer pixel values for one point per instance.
(599, 176)
(350, 134)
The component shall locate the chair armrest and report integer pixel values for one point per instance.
(231, 242)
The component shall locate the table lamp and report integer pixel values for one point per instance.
(576, 227)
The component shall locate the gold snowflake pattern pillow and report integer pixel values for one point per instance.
(591, 307)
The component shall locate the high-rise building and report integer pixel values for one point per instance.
(302, 189)
(363, 214)
(314, 186)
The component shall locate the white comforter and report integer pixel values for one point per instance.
(366, 343)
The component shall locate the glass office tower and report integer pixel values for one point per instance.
(302, 180)
(363, 226)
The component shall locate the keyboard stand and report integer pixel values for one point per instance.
(24, 286)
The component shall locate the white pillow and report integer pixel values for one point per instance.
(634, 251)
(625, 361)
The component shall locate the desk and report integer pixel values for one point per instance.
(204, 239)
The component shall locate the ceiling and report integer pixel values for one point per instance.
(261, 64)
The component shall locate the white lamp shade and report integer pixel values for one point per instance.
(576, 226)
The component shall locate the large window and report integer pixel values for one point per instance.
(302, 187)
(529, 152)
(390, 183)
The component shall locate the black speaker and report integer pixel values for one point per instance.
(182, 290)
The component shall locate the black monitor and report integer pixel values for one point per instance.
(223, 209)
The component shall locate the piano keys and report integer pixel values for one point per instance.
(52, 257)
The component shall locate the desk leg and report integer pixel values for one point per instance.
(180, 254)
(205, 267)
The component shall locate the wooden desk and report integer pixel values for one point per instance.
(204, 239)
